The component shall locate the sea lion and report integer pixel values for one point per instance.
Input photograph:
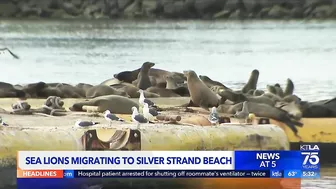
(279, 90)
(114, 103)
(292, 108)
(209, 82)
(103, 90)
(263, 110)
(151, 78)
(133, 91)
(233, 96)
(84, 86)
(272, 96)
(159, 74)
(261, 99)
(292, 98)
(70, 91)
(315, 110)
(163, 92)
(143, 77)
(289, 87)
(110, 82)
(42, 90)
(258, 92)
(7, 90)
(252, 82)
(200, 94)
(171, 83)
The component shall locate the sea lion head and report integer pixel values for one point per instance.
(190, 74)
(277, 85)
(148, 64)
(271, 89)
(204, 78)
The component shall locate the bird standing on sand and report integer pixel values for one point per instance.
(111, 117)
(213, 117)
(149, 113)
(2, 122)
(6, 51)
(80, 123)
(138, 118)
(242, 115)
(143, 100)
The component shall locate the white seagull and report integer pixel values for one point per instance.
(138, 118)
(143, 100)
(149, 113)
(80, 123)
(7, 51)
(111, 117)
(243, 114)
(213, 117)
(2, 122)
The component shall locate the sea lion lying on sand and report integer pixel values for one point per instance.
(116, 104)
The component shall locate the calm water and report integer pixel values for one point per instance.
(91, 52)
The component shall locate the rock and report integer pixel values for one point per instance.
(237, 14)
(150, 6)
(263, 13)
(71, 9)
(252, 6)
(209, 6)
(279, 12)
(315, 3)
(222, 14)
(76, 3)
(122, 4)
(29, 11)
(89, 10)
(297, 12)
(232, 5)
(8, 9)
(174, 9)
(60, 13)
(324, 11)
(133, 9)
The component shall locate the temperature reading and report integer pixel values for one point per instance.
(292, 173)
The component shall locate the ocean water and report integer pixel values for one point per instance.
(92, 51)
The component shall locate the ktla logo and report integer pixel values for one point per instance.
(311, 157)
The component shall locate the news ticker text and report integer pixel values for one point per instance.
(170, 174)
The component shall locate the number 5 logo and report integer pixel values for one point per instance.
(312, 157)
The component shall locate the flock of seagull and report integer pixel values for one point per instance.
(148, 114)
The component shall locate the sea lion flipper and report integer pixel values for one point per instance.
(291, 125)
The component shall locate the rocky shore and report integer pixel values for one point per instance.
(169, 9)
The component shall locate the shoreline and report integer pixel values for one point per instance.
(170, 9)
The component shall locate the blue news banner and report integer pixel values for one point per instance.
(247, 164)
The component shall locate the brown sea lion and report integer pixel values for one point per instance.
(133, 91)
(42, 90)
(289, 87)
(159, 74)
(171, 83)
(316, 110)
(70, 91)
(258, 92)
(209, 82)
(116, 104)
(7, 90)
(103, 90)
(292, 98)
(151, 78)
(233, 96)
(252, 82)
(262, 110)
(200, 94)
(292, 108)
(279, 90)
(143, 77)
(84, 86)
(111, 81)
(163, 92)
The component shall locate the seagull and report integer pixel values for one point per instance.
(242, 115)
(143, 100)
(213, 117)
(138, 118)
(111, 117)
(6, 50)
(80, 123)
(3, 123)
(149, 113)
